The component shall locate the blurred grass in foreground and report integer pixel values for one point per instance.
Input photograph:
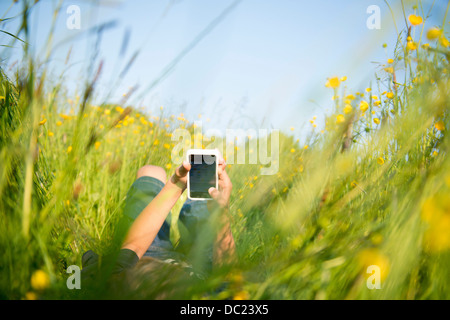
(372, 188)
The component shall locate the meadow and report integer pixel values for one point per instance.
(370, 186)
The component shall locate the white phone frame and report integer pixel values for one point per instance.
(211, 152)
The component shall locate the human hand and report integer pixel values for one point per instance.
(222, 195)
(179, 178)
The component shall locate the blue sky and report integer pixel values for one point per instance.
(264, 64)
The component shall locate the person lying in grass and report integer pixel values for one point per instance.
(147, 242)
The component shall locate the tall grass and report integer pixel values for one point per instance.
(371, 188)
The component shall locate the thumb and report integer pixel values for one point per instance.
(183, 169)
(214, 193)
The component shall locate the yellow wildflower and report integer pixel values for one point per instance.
(444, 42)
(119, 109)
(440, 125)
(389, 95)
(434, 33)
(97, 145)
(340, 118)
(42, 122)
(415, 20)
(363, 106)
(376, 120)
(410, 45)
(347, 109)
(373, 256)
(436, 213)
(380, 161)
(30, 296)
(333, 83)
(69, 149)
(40, 280)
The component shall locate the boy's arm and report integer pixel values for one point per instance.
(146, 226)
(224, 246)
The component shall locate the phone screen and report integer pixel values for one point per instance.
(202, 175)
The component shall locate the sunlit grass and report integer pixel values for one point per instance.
(371, 187)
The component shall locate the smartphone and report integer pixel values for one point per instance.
(203, 173)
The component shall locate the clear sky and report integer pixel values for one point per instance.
(264, 64)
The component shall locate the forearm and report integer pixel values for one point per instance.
(146, 226)
(224, 246)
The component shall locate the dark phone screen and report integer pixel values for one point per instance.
(202, 175)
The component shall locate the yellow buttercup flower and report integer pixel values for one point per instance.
(40, 280)
(332, 82)
(434, 33)
(119, 109)
(373, 256)
(363, 106)
(376, 120)
(292, 150)
(347, 109)
(31, 296)
(389, 95)
(58, 123)
(411, 45)
(436, 213)
(69, 149)
(440, 125)
(415, 20)
(97, 145)
(444, 42)
(50, 134)
(380, 161)
(340, 118)
(241, 295)
(42, 122)
(390, 61)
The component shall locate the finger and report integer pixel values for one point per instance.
(183, 169)
(214, 193)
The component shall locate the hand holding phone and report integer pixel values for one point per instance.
(203, 174)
